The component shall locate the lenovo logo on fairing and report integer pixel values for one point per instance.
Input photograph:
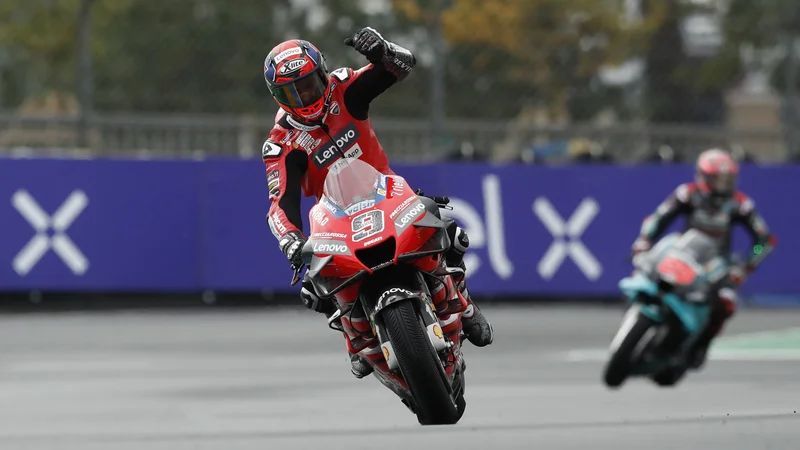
(412, 214)
(330, 248)
(566, 238)
(41, 243)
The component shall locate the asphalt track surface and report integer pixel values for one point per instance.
(278, 379)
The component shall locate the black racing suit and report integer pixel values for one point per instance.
(715, 216)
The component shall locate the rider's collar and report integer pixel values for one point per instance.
(301, 125)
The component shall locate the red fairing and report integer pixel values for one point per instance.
(348, 231)
(371, 226)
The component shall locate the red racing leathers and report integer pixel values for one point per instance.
(298, 156)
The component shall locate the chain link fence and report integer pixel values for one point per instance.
(154, 136)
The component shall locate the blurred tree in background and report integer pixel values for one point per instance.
(205, 56)
(38, 47)
(548, 50)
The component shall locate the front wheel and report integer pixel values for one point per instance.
(669, 377)
(419, 366)
(621, 361)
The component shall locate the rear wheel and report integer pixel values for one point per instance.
(420, 366)
(621, 362)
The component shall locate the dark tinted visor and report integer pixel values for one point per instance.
(303, 92)
(723, 182)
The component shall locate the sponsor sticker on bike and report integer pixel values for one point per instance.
(402, 207)
(413, 213)
(330, 247)
(354, 208)
(395, 290)
(319, 217)
(328, 235)
(373, 241)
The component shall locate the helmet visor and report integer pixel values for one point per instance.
(303, 92)
(723, 182)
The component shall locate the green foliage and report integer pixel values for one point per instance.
(205, 56)
(39, 37)
(513, 53)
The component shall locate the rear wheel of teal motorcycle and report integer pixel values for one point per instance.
(622, 358)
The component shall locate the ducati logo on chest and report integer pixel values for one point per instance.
(335, 109)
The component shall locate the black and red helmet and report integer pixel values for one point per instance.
(297, 78)
(717, 172)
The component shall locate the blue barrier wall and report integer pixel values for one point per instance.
(117, 225)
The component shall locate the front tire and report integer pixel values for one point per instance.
(669, 377)
(620, 363)
(419, 366)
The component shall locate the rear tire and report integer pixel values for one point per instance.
(419, 365)
(619, 365)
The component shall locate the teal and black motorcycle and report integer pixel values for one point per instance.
(668, 292)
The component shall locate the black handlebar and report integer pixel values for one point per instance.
(441, 201)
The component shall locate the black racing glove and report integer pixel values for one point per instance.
(369, 43)
(313, 301)
(291, 244)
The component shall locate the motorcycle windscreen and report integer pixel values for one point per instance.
(352, 185)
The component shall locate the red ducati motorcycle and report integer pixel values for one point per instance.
(378, 249)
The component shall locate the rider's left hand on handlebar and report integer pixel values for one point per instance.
(291, 244)
(737, 274)
(309, 296)
(640, 246)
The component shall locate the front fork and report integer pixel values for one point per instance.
(423, 304)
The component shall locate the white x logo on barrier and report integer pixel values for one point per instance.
(566, 238)
(41, 243)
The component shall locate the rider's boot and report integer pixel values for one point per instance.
(475, 326)
(327, 306)
(359, 366)
(723, 310)
(358, 325)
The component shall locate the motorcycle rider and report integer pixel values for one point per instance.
(319, 110)
(713, 205)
